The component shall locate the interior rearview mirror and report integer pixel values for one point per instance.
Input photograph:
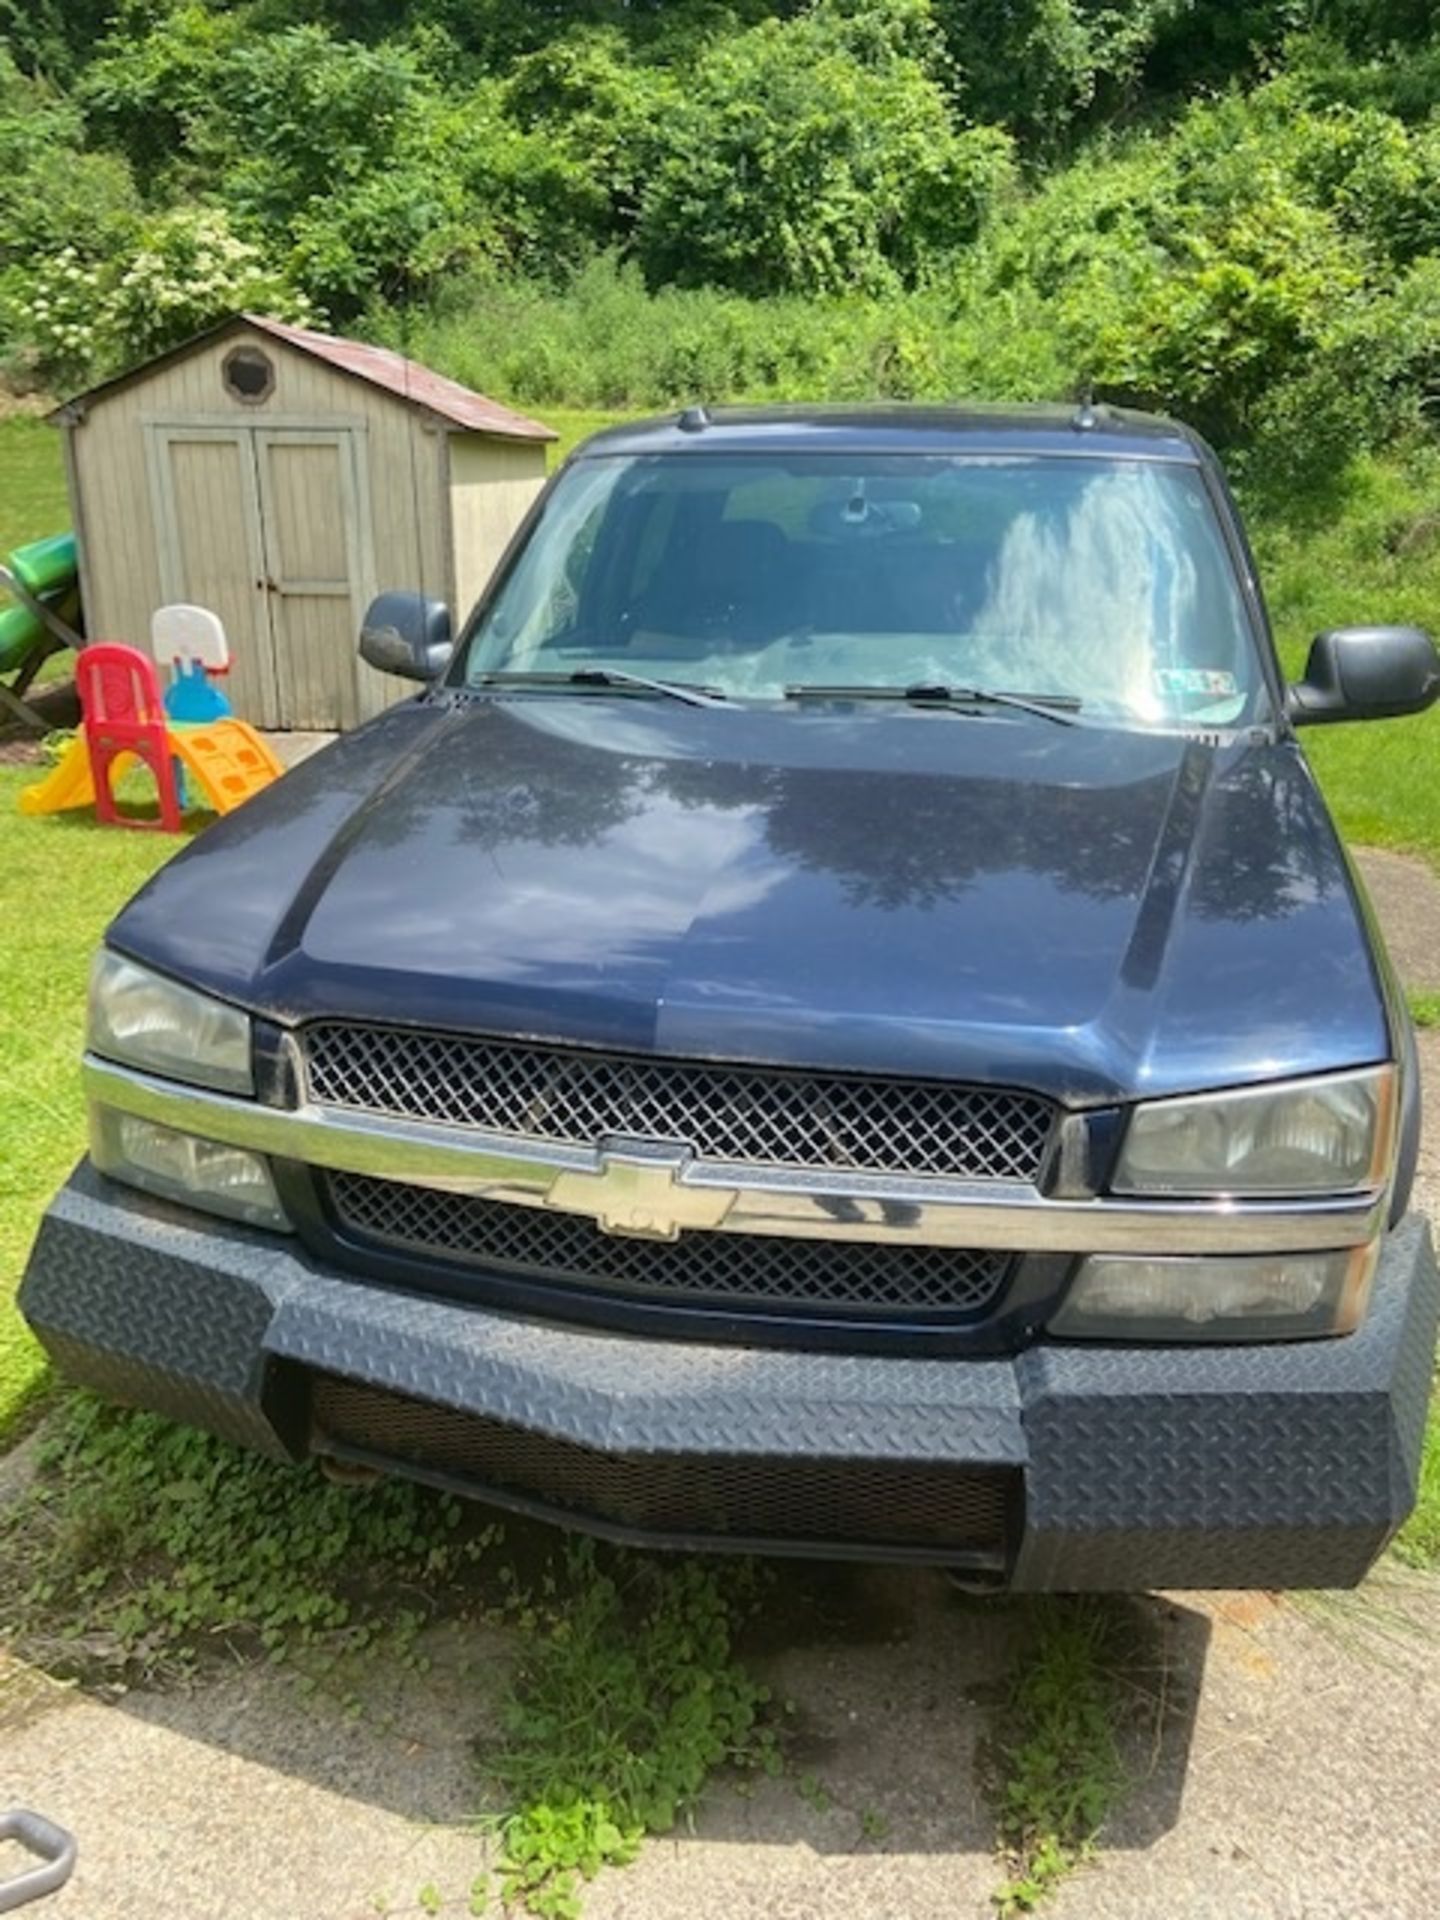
(1365, 673)
(407, 635)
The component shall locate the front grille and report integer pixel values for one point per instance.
(748, 1114)
(833, 1503)
(733, 1269)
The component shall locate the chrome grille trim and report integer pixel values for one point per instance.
(741, 1114)
(729, 1269)
(785, 1200)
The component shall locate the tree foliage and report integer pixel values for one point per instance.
(1035, 65)
(814, 155)
(1226, 207)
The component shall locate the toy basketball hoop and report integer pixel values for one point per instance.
(184, 637)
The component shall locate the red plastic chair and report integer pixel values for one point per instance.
(124, 713)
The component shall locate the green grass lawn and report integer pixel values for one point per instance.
(62, 879)
(573, 425)
(1373, 556)
(32, 483)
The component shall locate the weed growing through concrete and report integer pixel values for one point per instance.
(874, 1827)
(813, 1792)
(1385, 1622)
(1056, 1757)
(622, 1707)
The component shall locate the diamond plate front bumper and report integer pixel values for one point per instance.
(1262, 1466)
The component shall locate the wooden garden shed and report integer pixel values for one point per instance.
(282, 477)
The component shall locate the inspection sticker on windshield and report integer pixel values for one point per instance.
(1204, 680)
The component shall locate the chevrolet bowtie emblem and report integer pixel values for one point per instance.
(641, 1192)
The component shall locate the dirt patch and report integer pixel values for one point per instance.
(26, 1693)
(18, 1468)
(31, 406)
(56, 703)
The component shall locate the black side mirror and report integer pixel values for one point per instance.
(1365, 673)
(407, 635)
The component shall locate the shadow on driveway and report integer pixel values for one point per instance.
(328, 1804)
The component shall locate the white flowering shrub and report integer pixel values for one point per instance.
(190, 269)
(62, 315)
(181, 272)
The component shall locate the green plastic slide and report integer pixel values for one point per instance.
(45, 566)
(46, 569)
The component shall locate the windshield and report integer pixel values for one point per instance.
(1104, 583)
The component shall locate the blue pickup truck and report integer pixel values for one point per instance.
(835, 1022)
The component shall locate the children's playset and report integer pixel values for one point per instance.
(196, 751)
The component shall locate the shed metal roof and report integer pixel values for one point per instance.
(407, 380)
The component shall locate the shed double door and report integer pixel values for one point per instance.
(268, 527)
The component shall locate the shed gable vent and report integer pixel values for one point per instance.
(249, 375)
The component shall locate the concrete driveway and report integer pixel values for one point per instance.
(1284, 1754)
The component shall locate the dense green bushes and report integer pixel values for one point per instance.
(1267, 268)
(1263, 267)
(603, 341)
(1229, 210)
(816, 155)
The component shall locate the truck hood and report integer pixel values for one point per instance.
(1094, 913)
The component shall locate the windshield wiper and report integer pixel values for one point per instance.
(1061, 707)
(607, 677)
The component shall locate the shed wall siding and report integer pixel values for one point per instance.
(401, 536)
(122, 565)
(492, 486)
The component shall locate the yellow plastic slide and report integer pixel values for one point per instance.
(68, 784)
(227, 760)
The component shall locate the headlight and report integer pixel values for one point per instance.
(144, 1020)
(1330, 1135)
(199, 1173)
(1286, 1296)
